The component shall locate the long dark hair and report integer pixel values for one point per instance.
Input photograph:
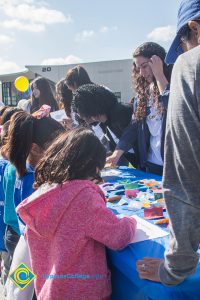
(74, 155)
(140, 84)
(24, 130)
(64, 96)
(46, 95)
(77, 76)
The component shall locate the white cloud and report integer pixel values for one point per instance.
(162, 34)
(31, 15)
(17, 24)
(16, 2)
(105, 29)
(28, 12)
(70, 59)
(88, 34)
(6, 40)
(84, 35)
(7, 66)
(114, 28)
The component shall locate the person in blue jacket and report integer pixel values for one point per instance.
(4, 257)
(27, 140)
(3, 252)
(146, 133)
(3, 163)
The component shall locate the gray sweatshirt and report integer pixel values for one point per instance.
(181, 179)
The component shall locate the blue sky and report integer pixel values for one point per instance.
(34, 32)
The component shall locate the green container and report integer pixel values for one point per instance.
(131, 186)
(123, 182)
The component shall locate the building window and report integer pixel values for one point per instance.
(6, 93)
(10, 95)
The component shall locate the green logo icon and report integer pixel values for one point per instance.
(22, 276)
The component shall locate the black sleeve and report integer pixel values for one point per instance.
(120, 118)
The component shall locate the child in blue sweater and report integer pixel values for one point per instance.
(3, 252)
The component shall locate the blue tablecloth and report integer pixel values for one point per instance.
(126, 283)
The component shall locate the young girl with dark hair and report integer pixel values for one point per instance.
(76, 77)
(64, 97)
(4, 258)
(68, 224)
(26, 142)
(7, 113)
(146, 133)
(41, 94)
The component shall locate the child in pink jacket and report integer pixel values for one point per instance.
(68, 224)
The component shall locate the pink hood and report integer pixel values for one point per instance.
(44, 209)
(68, 228)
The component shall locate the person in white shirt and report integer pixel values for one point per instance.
(146, 132)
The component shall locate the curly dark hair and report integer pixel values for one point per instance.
(140, 84)
(74, 155)
(92, 100)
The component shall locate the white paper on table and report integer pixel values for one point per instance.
(147, 231)
(136, 205)
(59, 115)
(122, 201)
(110, 172)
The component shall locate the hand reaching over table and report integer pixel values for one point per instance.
(148, 268)
(113, 159)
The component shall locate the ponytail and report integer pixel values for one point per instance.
(20, 139)
(25, 130)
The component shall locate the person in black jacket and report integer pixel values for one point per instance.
(97, 104)
(146, 132)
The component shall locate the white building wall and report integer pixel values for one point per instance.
(115, 74)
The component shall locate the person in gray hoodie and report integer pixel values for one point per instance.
(182, 155)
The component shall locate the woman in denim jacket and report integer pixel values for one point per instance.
(146, 132)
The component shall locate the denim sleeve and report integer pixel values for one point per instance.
(128, 137)
(164, 97)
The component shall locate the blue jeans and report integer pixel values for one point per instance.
(11, 239)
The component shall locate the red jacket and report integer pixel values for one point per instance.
(68, 227)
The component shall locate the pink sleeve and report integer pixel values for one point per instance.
(104, 227)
